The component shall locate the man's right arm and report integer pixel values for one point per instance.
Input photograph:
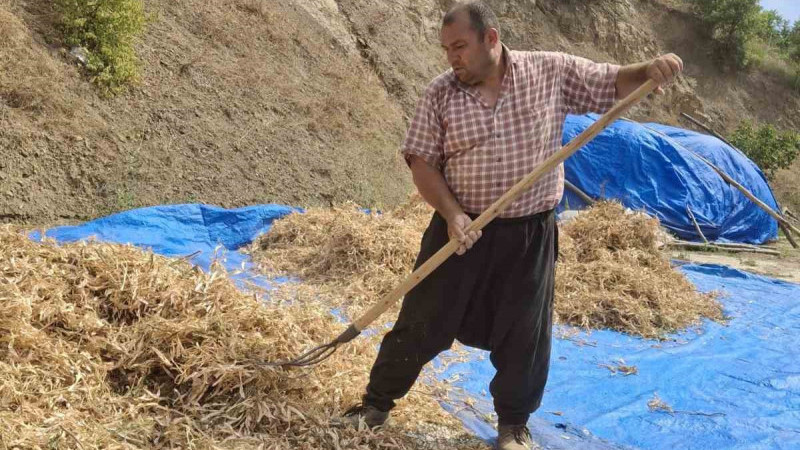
(423, 151)
(434, 189)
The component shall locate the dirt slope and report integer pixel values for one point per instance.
(240, 103)
(300, 102)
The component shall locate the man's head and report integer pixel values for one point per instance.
(471, 38)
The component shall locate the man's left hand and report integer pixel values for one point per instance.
(664, 69)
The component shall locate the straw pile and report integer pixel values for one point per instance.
(108, 346)
(351, 258)
(611, 273)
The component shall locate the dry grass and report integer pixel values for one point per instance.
(32, 82)
(611, 273)
(785, 187)
(350, 257)
(108, 346)
(656, 404)
(266, 87)
(24, 73)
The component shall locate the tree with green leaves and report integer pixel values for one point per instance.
(770, 148)
(732, 24)
(793, 42)
(771, 27)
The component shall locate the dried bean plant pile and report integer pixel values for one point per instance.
(349, 256)
(109, 346)
(611, 273)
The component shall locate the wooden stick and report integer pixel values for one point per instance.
(582, 195)
(781, 221)
(696, 226)
(708, 129)
(788, 234)
(729, 245)
(749, 195)
(697, 245)
(738, 245)
(500, 204)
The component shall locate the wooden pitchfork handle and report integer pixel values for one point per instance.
(322, 352)
(500, 204)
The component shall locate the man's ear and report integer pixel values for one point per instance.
(492, 36)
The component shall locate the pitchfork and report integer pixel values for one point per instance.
(323, 352)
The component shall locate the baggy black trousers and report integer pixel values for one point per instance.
(498, 296)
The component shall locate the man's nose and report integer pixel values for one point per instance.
(453, 58)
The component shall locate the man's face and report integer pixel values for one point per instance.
(467, 53)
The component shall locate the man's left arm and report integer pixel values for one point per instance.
(662, 70)
(588, 86)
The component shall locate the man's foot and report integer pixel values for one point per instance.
(514, 437)
(367, 414)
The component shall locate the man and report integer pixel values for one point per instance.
(478, 129)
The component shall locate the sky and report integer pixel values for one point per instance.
(789, 9)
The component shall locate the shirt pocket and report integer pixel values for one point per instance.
(538, 119)
(533, 125)
(465, 131)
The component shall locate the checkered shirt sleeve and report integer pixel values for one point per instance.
(425, 135)
(588, 86)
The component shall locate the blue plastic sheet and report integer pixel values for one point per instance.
(655, 168)
(730, 386)
(181, 230)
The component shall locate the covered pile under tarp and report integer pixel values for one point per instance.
(655, 168)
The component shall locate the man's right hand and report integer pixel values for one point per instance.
(456, 229)
(434, 189)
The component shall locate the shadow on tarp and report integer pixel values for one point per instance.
(730, 386)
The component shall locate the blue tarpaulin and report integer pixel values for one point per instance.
(655, 168)
(729, 386)
(734, 385)
(182, 230)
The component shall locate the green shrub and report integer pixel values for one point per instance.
(770, 148)
(757, 53)
(792, 42)
(107, 29)
(746, 35)
(732, 23)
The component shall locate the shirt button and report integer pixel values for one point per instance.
(499, 159)
(497, 135)
(498, 184)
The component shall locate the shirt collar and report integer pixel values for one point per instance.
(511, 58)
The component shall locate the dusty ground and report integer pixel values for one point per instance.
(240, 102)
(787, 186)
(254, 101)
(785, 267)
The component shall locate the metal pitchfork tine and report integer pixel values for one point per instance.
(323, 352)
(317, 354)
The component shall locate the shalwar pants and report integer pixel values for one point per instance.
(498, 296)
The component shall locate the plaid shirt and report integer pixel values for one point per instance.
(483, 152)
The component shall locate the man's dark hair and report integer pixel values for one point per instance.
(481, 17)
